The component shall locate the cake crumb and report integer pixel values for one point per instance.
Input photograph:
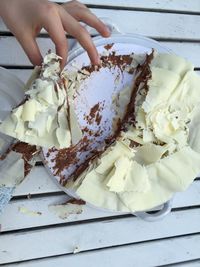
(108, 46)
(26, 211)
(76, 250)
(72, 206)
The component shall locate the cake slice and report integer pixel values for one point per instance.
(45, 118)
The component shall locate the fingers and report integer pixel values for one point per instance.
(82, 13)
(74, 28)
(31, 48)
(90, 19)
(56, 21)
(54, 27)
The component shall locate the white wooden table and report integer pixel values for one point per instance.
(105, 239)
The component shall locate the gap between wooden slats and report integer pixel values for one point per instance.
(154, 5)
(9, 46)
(190, 263)
(159, 25)
(63, 240)
(183, 200)
(179, 251)
(37, 182)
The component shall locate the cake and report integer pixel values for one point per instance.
(155, 149)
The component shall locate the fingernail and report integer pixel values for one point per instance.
(98, 61)
(108, 30)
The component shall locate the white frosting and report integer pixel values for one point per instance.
(169, 105)
(95, 192)
(177, 171)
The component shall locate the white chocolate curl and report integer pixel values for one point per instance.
(43, 119)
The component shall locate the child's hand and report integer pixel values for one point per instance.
(26, 18)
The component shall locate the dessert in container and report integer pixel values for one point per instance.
(123, 44)
(129, 138)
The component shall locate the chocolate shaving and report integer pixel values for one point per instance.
(64, 159)
(68, 157)
(111, 61)
(92, 113)
(144, 76)
(51, 150)
(120, 61)
(98, 118)
(84, 166)
(129, 117)
(75, 201)
(27, 151)
(88, 131)
(108, 46)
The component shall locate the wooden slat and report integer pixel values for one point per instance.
(192, 263)
(153, 24)
(62, 240)
(23, 221)
(189, 50)
(175, 5)
(188, 198)
(148, 254)
(153, 5)
(13, 54)
(22, 74)
(37, 182)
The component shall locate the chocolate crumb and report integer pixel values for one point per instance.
(94, 115)
(27, 151)
(76, 201)
(91, 117)
(88, 131)
(108, 46)
(98, 118)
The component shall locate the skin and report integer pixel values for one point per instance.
(26, 18)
